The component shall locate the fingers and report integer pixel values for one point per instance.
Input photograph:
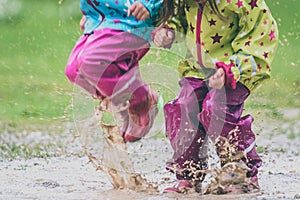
(139, 11)
(142, 15)
(219, 73)
(217, 80)
(159, 37)
(170, 34)
(163, 37)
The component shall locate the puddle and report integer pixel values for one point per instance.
(73, 175)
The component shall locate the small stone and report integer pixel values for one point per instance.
(297, 196)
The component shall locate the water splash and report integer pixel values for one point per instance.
(115, 160)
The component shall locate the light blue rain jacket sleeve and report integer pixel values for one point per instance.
(113, 14)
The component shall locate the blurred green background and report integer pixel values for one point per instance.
(36, 38)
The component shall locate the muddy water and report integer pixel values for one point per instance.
(123, 174)
(115, 160)
(117, 164)
(69, 175)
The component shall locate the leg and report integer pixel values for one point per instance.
(72, 68)
(222, 110)
(109, 62)
(186, 135)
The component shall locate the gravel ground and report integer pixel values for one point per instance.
(66, 174)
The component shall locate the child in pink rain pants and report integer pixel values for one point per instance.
(231, 44)
(105, 59)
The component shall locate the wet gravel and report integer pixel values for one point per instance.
(62, 171)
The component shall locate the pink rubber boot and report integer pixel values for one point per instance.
(140, 123)
(182, 186)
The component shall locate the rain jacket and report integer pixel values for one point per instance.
(242, 42)
(113, 14)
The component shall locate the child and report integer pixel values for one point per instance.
(105, 59)
(233, 44)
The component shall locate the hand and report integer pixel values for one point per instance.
(139, 11)
(82, 22)
(217, 80)
(164, 37)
